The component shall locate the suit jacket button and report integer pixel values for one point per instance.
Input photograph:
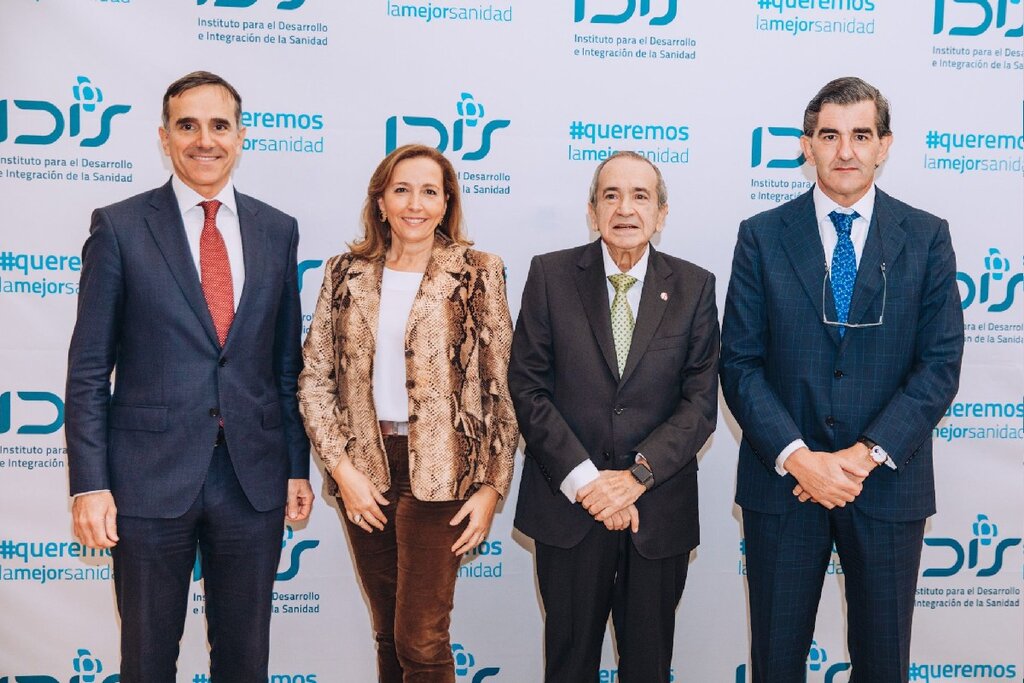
(214, 412)
(830, 421)
(838, 374)
(618, 410)
(222, 362)
(607, 455)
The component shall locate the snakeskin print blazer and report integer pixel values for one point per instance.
(462, 427)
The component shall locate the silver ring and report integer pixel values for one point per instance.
(357, 519)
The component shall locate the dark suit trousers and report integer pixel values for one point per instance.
(787, 558)
(602, 573)
(153, 562)
(408, 571)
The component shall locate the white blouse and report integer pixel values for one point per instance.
(397, 292)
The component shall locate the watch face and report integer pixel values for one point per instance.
(878, 455)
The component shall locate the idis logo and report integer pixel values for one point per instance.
(283, 4)
(87, 670)
(471, 114)
(293, 557)
(818, 667)
(626, 13)
(49, 123)
(25, 398)
(757, 146)
(997, 270)
(465, 663)
(986, 535)
(295, 554)
(980, 11)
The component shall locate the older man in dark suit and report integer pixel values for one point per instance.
(189, 293)
(613, 376)
(841, 349)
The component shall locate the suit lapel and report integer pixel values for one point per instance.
(363, 281)
(593, 291)
(802, 243)
(254, 249)
(169, 234)
(444, 272)
(652, 309)
(883, 245)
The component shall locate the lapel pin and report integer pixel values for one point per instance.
(664, 296)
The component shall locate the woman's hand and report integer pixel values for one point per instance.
(360, 497)
(480, 509)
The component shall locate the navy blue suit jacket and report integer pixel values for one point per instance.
(786, 375)
(142, 315)
(573, 405)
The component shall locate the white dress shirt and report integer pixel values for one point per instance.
(823, 206)
(193, 216)
(586, 471)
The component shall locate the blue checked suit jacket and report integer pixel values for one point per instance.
(142, 315)
(786, 375)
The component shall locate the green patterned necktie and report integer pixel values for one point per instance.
(622, 317)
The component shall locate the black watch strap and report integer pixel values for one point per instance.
(642, 475)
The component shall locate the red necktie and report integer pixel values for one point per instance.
(215, 272)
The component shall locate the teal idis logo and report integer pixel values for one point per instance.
(995, 289)
(43, 122)
(466, 666)
(983, 556)
(757, 143)
(642, 11)
(283, 4)
(819, 667)
(976, 17)
(88, 669)
(471, 114)
(21, 414)
(292, 557)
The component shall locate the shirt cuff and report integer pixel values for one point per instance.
(786, 452)
(85, 493)
(580, 476)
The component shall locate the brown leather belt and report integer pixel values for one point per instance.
(391, 428)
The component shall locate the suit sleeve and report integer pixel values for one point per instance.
(91, 357)
(675, 442)
(318, 386)
(549, 440)
(908, 419)
(502, 432)
(288, 362)
(767, 425)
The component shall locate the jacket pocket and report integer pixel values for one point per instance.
(673, 342)
(139, 418)
(271, 415)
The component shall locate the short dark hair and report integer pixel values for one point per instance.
(629, 154)
(845, 91)
(195, 80)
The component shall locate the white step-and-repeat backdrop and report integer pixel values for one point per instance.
(525, 96)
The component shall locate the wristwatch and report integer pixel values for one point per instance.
(876, 452)
(642, 475)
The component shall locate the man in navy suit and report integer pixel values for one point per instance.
(841, 347)
(189, 293)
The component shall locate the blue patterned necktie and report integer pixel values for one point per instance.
(622, 317)
(844, 265)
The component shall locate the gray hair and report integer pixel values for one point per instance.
(629, 154)
(845, 91)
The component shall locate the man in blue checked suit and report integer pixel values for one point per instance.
(189, 296)
(841, 347)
